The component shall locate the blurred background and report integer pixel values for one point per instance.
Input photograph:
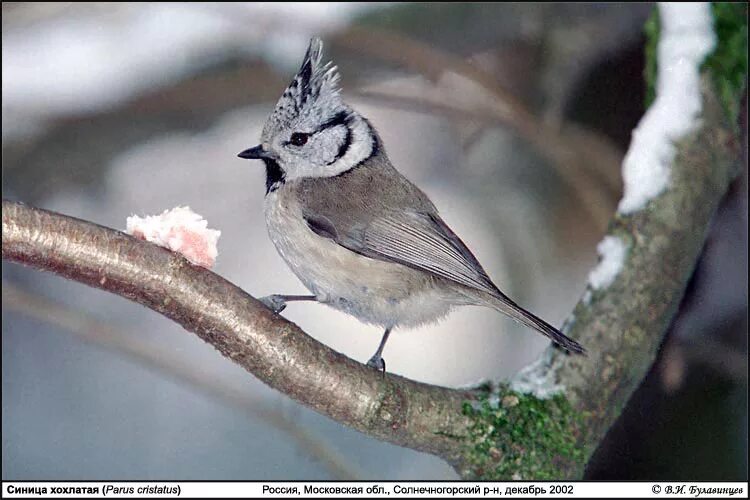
(512, 117)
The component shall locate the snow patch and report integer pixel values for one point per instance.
(685, 39)
(180, 230)
(612, 252)
(537, 378)
(473, 385)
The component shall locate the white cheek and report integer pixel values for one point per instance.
(326, 146)
(313, 160)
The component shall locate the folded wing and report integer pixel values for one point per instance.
(417, 240)
(423, 241)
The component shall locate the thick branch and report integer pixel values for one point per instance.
(623, 325)
(392, 408)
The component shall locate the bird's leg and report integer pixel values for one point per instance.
(377, 361)
(277, 303)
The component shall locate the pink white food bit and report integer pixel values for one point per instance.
(180, 230)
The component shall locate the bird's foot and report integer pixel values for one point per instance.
(276, 303)
(378, 363)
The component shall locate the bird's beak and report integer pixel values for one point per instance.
(256, 153)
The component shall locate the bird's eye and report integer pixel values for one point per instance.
(299, 138)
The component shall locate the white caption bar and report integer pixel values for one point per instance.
(381, 489)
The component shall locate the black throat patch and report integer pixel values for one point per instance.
(275, 175)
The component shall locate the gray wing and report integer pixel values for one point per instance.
(421, 240)
(416, 239)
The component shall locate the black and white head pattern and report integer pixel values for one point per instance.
(312, 132)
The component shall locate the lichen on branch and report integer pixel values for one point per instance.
(521, 436)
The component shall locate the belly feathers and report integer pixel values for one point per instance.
(377, 292)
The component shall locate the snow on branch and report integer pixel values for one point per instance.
(612, 251)
(685, 39)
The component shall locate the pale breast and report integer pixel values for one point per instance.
(377, 292)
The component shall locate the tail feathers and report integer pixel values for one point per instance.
(507, 306)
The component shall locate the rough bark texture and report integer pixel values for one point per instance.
(623, 325)
(626, 323)
(494, 434)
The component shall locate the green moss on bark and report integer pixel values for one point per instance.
(519, 436)
(728, 63)
(651, 29)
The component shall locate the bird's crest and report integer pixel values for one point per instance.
(313, 89)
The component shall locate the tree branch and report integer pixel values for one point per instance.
(628, 322)
(623, 325)
(279, 353)
(168, 365)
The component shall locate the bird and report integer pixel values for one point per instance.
(358, 234)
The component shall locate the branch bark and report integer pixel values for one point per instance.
(623, 326)
(522, 436)
(165, 363)
(241, 328)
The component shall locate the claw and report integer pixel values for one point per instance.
(378, 363)
(276, 303)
